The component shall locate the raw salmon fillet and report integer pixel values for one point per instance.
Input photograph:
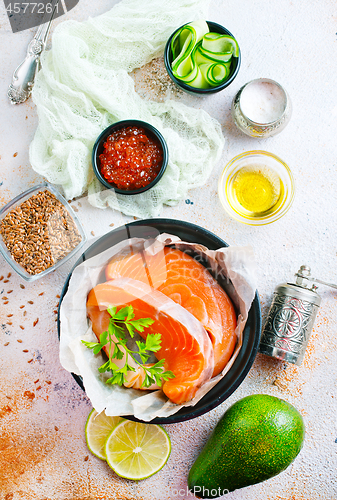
(187, 282)
(186, 346)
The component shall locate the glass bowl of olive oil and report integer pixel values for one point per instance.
(256, 188)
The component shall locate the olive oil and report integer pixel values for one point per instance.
(256, 189)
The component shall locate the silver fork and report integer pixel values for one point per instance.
(24, 75)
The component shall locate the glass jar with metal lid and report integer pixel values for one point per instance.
(262, 108)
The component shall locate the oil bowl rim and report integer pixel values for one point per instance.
(264, 219)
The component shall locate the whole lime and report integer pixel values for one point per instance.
(256, 439)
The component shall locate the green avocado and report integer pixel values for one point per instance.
(256, 439)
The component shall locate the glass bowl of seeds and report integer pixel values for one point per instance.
(39, 231)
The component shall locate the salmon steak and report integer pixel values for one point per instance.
(188, 283)
(185, 344)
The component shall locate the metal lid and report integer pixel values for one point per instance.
(299, 292)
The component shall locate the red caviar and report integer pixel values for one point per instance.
(131, 159)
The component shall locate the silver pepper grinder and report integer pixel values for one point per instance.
(291, 316)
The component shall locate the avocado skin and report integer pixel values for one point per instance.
(257, 438)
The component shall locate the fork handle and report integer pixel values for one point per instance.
(24, 75)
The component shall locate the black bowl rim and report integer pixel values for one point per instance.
(116, 126)
(194, 90)
(197, 412)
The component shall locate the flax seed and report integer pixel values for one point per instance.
(56, 428)
(10, 291)
(41, 294)
(21, 307)
(36, 322)
(30, 360)
(22, 327)
(22, 286)
(15, 155)
(6, 281)
(39, 232)
(20, 341)
(6, 302)
(112, 224)
(48, 382)
(24, 313)
(9, 315)
(6, 344)
(92, 232)
(58, 296)
(86, 458)
(38, 388)
(30, 302)
(25, 350)
(9, 323)
(1, 278)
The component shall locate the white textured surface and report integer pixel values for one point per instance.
(294, 43)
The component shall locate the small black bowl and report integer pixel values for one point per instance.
(235, 66)
(99, 148)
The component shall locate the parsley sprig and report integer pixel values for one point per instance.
(120, 322)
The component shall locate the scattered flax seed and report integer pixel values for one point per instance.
(4, 298)
(15, 155)
(48, 382)
(21, 307)
(58, 296)
(9, 275)
(38, 388)
(41, 294)
(56, 428)
(6, 302)
(9, 315)
(1, 278)
(36, 381)
(9, 323)
(6, 281)
(20, 341)
(36, 322)
(24, 313)
(8, 397)
(25, 350)
(92, 232)
(112, 224)
(86, 458)
(55, 312)
(30, 360)
(10, 291)
(279, 384)
(22, 327)
(22, 286)
(7, 343)
(30, 302)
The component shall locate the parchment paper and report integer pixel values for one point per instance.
(234, 267)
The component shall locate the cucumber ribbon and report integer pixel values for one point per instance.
(202, 59)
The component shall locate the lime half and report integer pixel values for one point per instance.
(97, 430)
(137, 451)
